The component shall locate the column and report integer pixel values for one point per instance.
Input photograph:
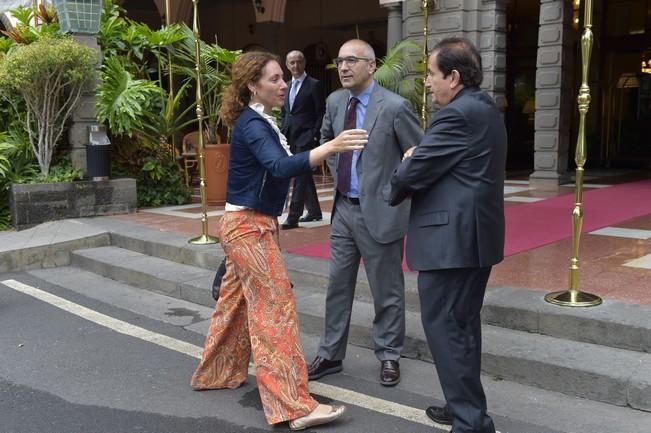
(554, 93)
(84, 114)
(492, 46)
(481, 21)
(394, 21)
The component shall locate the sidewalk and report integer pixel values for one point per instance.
(615, 260)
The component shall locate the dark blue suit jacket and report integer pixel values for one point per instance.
(456, 180)
(302, 124)
(259, 168)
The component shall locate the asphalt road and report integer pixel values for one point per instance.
(61, 373)
(79, 353)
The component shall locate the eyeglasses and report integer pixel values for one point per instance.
(349, 61)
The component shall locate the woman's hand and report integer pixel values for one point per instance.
(408, 152)
(350, 139)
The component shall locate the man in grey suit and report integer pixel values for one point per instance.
(455, 178)
(363, 224)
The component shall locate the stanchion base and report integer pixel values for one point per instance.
(204, 240)
(568, 298)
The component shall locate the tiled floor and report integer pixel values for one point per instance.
(615, 262)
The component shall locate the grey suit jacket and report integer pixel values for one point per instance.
(392, 128)
(455, 179)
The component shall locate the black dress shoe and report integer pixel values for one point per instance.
(288, 225)
(439, 415)
(389, 373)
(321, 367)
(307, 218)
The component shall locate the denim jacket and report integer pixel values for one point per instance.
(259, 168)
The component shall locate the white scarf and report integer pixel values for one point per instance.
(259, 108)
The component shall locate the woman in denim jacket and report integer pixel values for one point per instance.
(256, 311)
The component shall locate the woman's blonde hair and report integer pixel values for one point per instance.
(247, 69)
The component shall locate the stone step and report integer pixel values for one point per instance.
(614, 324)
(304, 271)
(591, 371)
(585, 370)
(140, 270)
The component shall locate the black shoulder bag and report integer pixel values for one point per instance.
(217, 282)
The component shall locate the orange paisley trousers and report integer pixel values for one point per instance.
(256, 312)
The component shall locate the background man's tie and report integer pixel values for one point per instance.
(292, 93)
(346, 158)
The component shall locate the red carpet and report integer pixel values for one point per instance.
(536, 224)
(533, 225)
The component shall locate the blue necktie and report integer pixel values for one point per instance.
(346, 158)
(292, 93)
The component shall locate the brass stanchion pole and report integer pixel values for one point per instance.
(204, 238)
(423, 108)
(169, 71)
(573, 297)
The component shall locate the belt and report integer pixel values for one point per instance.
(351, 200)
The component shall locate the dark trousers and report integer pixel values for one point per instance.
(450, 303)
(304, 196)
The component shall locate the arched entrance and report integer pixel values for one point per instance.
(625, 78)
(522, 43)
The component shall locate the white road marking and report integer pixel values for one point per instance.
(343, 395)
(107, 321)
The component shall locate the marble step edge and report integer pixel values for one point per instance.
(614, 323)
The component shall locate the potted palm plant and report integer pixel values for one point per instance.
(215, 68)
(395, 72)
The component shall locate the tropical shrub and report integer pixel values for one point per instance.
(138, 111)
(158, 183)
(24, 32)
(124, 101)
(215, 64)
(48, 75)
(17, 165)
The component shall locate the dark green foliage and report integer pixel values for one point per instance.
(394, 71)
(158, 184)
(17, 165)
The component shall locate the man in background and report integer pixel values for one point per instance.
(301, 123)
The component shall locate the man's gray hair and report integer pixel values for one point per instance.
(292, 52)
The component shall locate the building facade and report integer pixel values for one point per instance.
(530, 52)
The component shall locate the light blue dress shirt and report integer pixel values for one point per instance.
(364, 98)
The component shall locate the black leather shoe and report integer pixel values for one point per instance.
(439, 415)
(389, 373)
(321, 367)
(288, 225)
(307, 218)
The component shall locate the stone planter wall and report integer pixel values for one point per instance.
(32, 204)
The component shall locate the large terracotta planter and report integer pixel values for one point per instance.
(216, 172)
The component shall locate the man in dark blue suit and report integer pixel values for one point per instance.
(302, 115)
(455, 178)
